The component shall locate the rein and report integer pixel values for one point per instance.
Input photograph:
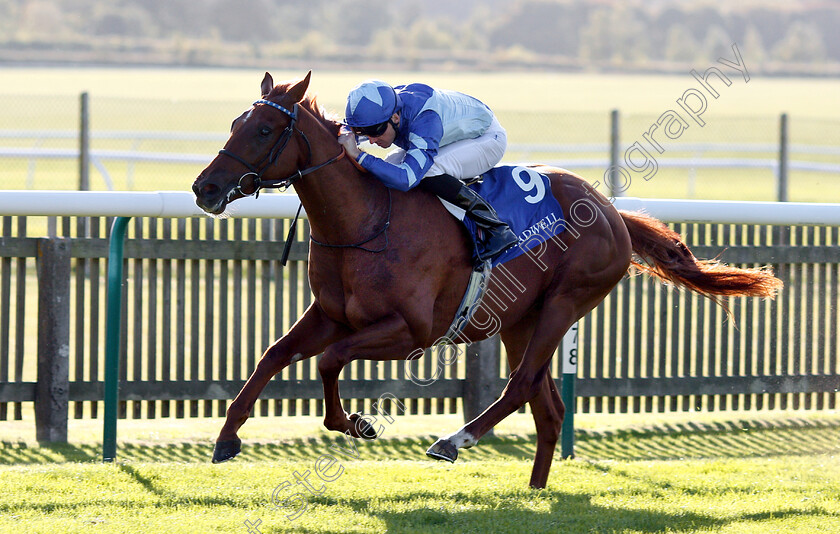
(258, 183)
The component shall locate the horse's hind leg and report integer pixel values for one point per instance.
(309, 336)
(548, 410)
(388, 339)
(547, 407)
(525, 384)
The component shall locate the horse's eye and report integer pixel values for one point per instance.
(265, 131)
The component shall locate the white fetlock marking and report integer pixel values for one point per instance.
(462, 439)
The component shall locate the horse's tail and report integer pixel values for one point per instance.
(664, 255)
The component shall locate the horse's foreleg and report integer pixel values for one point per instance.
(389, 339)
(309, 336)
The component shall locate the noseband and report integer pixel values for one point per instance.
(257, 170)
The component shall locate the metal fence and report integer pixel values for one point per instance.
(123, 144)
(203, 297)
(693, 156)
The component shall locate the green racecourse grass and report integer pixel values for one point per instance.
(634, 474)
(535, 108)
(685, 473)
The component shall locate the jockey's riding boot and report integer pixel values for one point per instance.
(497, 235)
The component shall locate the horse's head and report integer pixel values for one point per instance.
(261, 152)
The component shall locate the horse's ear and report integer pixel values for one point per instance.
(267, 85)
(298, 90)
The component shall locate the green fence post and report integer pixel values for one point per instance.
(569, 353)
(112, 338)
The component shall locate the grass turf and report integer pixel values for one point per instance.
(753, 473)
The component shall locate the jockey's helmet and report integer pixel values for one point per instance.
(369, 103)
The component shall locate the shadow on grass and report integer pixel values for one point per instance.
(732, 439)
(175, 499)
(21, 453)
(736, 439)
(17, 453)
(622, 508)
(567, 513)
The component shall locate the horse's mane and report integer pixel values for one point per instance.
(309, 102)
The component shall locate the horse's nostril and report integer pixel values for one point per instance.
(206, 190)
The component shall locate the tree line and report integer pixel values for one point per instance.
(790, 37)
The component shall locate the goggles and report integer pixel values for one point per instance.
(372, 131)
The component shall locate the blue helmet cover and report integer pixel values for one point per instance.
(371, 102)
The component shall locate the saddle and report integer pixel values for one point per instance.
(522, 198)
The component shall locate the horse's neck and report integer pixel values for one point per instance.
(342, 204)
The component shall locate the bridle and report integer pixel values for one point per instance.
(258, 183)
(259, 169)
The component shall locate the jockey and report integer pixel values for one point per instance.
(443, 137)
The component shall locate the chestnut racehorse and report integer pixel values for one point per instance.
(389, 269)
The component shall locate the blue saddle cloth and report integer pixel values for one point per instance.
(523, 199)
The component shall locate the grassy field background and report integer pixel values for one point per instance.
(536, 108)
(681, 473)
(504, 91)
(686, 473)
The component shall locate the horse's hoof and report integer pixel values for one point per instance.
(225, 450)
(363, 428)
(443, 449)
